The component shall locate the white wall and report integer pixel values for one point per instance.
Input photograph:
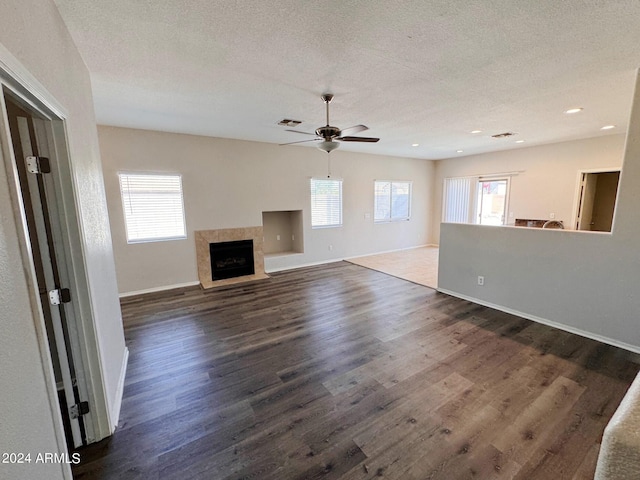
(34, 37)
(229, 183)
(583, 281)
(548, 179)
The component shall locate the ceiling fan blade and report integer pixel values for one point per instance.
(298, 131)
(354, 129)
(301, 141)
(358, 139)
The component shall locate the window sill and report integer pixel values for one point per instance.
(153, 240)
(392, 221)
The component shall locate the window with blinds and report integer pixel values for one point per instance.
(326, 203)
(153, 207)
(392, 201)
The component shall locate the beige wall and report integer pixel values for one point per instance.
(34, 39)
(229, 183)
(585, 282)
(547, 182)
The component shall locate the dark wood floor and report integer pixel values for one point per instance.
(338, 371)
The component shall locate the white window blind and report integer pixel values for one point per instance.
(153, 207)
(457, 200)
(392, 201)
(326, 203)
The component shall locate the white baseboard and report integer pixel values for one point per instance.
(158, 289)
(386, 251)
(341, 259)
(303, 265)
(544, 321)
(272, 270)
(114, 414)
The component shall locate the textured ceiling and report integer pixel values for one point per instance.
(426, 72)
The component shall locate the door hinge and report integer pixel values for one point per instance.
(78, 409)
(38, 164)
(59, 295)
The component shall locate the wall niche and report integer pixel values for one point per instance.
(283, 234)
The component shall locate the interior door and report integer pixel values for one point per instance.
(39, 202)
(587, 197)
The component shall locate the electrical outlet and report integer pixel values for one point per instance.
(277, 237)
(293, 237)
(480, 280)
(330, 248)
(552, 216)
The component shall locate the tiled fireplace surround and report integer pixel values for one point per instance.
(205, 237)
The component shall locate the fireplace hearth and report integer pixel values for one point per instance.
(231, 259)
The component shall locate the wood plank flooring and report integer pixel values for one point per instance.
(341, 372)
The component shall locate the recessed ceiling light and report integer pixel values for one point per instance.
(459, 151)
(573, 110)
(608, 127)
(519, 141)
(476, 131)
(415, 144)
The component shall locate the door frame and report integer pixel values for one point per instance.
(19, 81)
(577, 199)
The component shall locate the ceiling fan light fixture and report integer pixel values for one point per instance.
(328, 145)
(331, 136)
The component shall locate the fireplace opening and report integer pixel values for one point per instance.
(231, 259)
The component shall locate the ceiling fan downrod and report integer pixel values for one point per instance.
(326, 98)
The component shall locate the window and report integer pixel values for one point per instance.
(326, 203)
(153, 207)
(392, 201)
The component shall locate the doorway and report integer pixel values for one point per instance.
(32, 141)
(597, 194)
(492, 201)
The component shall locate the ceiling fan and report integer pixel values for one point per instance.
(329, 136)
